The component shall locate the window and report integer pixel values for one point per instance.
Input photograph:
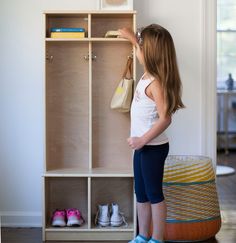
(226, 41)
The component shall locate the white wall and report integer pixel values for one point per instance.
(21, 123)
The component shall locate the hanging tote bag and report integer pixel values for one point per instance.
(122, 98)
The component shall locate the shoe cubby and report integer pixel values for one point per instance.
(101, 23)
(87, 159)
(66, 20)
(110, 129)
(110, 190)
(64, 193)
(67, 106)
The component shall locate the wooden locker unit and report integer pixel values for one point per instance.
(87, 159)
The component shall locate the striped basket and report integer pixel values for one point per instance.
(189, 186)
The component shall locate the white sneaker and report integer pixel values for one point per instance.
(102, 217)
(117, 218)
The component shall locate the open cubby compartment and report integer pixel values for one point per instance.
(101, 23)
(110, 129)
(64, 193)
(108, 190)
(64, 20)
(67, 106)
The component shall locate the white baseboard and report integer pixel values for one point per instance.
(20, 219)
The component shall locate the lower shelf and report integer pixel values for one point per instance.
(129, 227)
(77, 234)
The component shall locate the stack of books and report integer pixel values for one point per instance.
(67, 33)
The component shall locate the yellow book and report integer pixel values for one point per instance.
(71, 35)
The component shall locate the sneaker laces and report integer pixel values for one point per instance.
(122, 215)
(59, 213)
(123, 218)
(96, 218)
(73, 211)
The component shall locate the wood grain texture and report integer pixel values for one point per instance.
(67, 106)
(64, 193)
(112, 190)
(100, 24)
(110, 128)
(67, 21)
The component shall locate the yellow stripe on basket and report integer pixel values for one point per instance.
(190, 177)
(183, 167)
(190, 174)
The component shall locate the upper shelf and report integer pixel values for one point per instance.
(95, 23)
(60, 12)
(88, 39)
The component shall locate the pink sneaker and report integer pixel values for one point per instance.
(59, 218)
(74, 217)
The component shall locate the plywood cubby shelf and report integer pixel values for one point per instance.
(87, 159)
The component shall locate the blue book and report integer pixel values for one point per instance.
(67, 30)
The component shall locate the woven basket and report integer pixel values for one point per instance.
(193, 212)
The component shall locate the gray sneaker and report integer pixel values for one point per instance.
(117, 218)
(102, 217)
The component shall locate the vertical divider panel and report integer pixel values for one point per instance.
(89, 25)
(89, 202)
(90, 120)
(90, 105)
(44, 91)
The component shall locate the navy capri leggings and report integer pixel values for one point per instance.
(148, 172)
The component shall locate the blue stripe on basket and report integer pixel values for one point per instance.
(191, 221)
(188, 183)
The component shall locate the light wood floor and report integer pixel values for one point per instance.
(227, 196)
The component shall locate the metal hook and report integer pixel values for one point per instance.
(86, 57)
(49, 58)
(94, 57)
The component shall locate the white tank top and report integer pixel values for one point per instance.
(144, 113)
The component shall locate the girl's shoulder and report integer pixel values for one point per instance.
(147, 76)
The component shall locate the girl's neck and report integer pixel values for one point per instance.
(146, 75)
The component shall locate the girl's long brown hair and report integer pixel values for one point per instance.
(160, 61)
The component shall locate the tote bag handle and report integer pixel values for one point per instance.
(128, 69)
